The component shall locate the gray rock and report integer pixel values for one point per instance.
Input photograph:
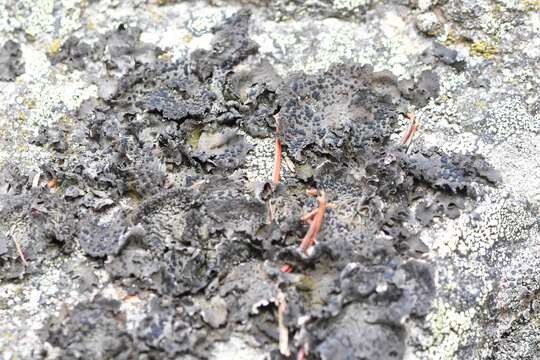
(215, 312)
(429, 24)
(446, 277)
(11, 63)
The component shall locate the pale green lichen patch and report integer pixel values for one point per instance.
(466, 278)
(260, 160)
(27, 304)
(43, 19)
(40, 18)
(349, 5)
(450, 329)
(390, 47)
(45, 99)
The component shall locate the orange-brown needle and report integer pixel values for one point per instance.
(311, 236)
(411, 131)
(277, 155)
(310, 215)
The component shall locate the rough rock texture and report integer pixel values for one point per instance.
(137, 144)
(11, 65)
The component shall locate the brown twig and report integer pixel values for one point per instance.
(35, 180)
(411, 131)
(307, 217)
(276, 174)
(290, 164)
(52, 183)
(314, 218)
(301, 354)
(311, 236)
(283, 330)
(197, 184)
(286, 268)
(271, 210)
(18, 246)
(312, 192)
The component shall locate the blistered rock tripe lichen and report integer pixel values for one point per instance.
(145, 212)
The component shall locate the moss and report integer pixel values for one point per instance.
(31, 38)
(285, 18)
(305, 170)
(22, 118)
(134, 195)
(187, 38)
(55, 47)
(30, 103)
(306, 284)
(193, 139)
(531, 5)
(451, 38)
(62, 187)
(19, 293)
(308, 290)
(497, 11)
(437, 31)
(7, 337)
(166, 56)
(484, 49)
(23, 148)
(481, 104)
(66, 121)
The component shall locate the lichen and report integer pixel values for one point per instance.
(484, 49)
(350, 5)
(193, 138)
(531, 5)
(55, 47)
(40, 18)
(450, 329)
(487, 107)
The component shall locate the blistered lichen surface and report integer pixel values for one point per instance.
(136, 151)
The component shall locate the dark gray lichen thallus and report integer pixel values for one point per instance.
(212, 237)
(11, 63)
(339, 111)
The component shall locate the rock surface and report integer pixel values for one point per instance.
(136, 149)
